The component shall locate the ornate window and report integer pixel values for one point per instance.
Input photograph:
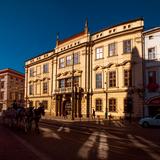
(46, 68)
(76, 58)
(45, 87)
(69, 60)
(61, 83)
(111, 49)
(112, 105)
(99, 53)
(127, 78)
(112, 79)
(61, 63)
(98, 104)
(31, 89)
(31, 72)
(99, 80)
(127, 46)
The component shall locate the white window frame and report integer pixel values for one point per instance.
(99, 53)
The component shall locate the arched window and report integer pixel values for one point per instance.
(98, 104)
(112, 105)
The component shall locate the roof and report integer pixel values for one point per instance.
(71, 37)
(130, 21)
(151, 30)
(39, 55)
(9, 70)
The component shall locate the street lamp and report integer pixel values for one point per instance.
(72, 86)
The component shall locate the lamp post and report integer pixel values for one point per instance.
(72, 86)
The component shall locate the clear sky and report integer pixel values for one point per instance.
(29, 27)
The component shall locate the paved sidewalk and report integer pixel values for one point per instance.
(91, 123)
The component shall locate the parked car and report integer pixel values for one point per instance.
(150, 121)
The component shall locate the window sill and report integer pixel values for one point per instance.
(126, 53)
(99, 59)
(112, 56)
(113, 87)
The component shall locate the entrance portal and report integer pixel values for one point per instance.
(67, 107)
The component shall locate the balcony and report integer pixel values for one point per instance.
(67, 90)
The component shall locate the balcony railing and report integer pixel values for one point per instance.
(67, 90)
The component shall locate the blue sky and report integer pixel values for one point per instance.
(29, 27)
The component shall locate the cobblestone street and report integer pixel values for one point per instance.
(75, 140)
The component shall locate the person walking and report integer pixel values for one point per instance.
(94, 114)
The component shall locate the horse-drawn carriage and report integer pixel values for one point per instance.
(23, 118)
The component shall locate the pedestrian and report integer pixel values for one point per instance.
(94, 114)
(66, 114)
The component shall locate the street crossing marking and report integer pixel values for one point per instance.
(49, 133)
(60, 129)
(87, 146)
(103, 146)
(66, 129)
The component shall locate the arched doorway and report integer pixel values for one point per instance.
(67, 107)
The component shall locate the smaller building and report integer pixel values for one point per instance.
(11, 88)
(152, 71)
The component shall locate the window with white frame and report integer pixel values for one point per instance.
(127, 78)
(112, 79)
(69, 60)
(99, 80)
(45, 87)
(61, 63)
(99, 53)
(151, 53)
(112, 49)
(76, 58)
(127, 46)
(99, 104)
(45, 68)
(61, 83)
(112, 105)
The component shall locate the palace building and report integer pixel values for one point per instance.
(99, 71)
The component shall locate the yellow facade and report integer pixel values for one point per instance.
(101, 60)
